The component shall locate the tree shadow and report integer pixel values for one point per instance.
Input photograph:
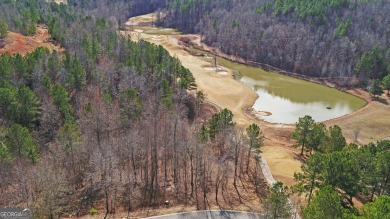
(299, 157)
(381, 100)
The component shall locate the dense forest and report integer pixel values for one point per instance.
(344, 41)
(110, 123)
(335, 173)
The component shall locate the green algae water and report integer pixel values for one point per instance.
(288, 98)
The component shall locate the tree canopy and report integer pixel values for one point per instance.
(302, 130)
(277, 204)
(386, 83)
(376, 89)
(325, 204)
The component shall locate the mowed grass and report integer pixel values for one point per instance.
(369, 124)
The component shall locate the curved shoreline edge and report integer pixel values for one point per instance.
(320, 81)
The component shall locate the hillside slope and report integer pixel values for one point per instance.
(315, 38)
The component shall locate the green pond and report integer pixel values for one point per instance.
(286, 98)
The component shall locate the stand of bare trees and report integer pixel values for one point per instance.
(113, 125)
(317, 39)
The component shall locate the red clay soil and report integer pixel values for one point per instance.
(18, 43)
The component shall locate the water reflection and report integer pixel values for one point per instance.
(289, 98)
(286, 111)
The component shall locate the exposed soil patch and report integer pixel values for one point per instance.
(18, 43)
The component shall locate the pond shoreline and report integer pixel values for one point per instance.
(329, 82)
(195, 48)
(322, 81)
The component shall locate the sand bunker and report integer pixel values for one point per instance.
(222, 72)
(210, 68)
(259, 114)
(155, 37)
(219, 70)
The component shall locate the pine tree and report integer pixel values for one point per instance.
(255, 141)
(22, 143)
(325, 204)
(376, 89)
(386, 83)
(3, 30)
(277, 205)
(5, 154)
(28, 107)
(76, 77)
(302, 130)
(62, 101)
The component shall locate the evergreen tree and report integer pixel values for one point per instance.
(225, 119)
(371, 62)
(69, 137)
(8, 102)
(386, 83)
(20, 105)
(325, 204)
(255, 140)
(53, 65)
(341, 172)
(335, 139)
(76, 77)
(302, 129)
(28, 107)
(5, 66)
(378, 209)
(3, 30)
(213, 126)
(21, 66)
(5, 154)
(316, 137)
(376, 89)
(62, 101)
(220, 123)
(311, 176)
(22, 143)
(277, 205)
(167, 95)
